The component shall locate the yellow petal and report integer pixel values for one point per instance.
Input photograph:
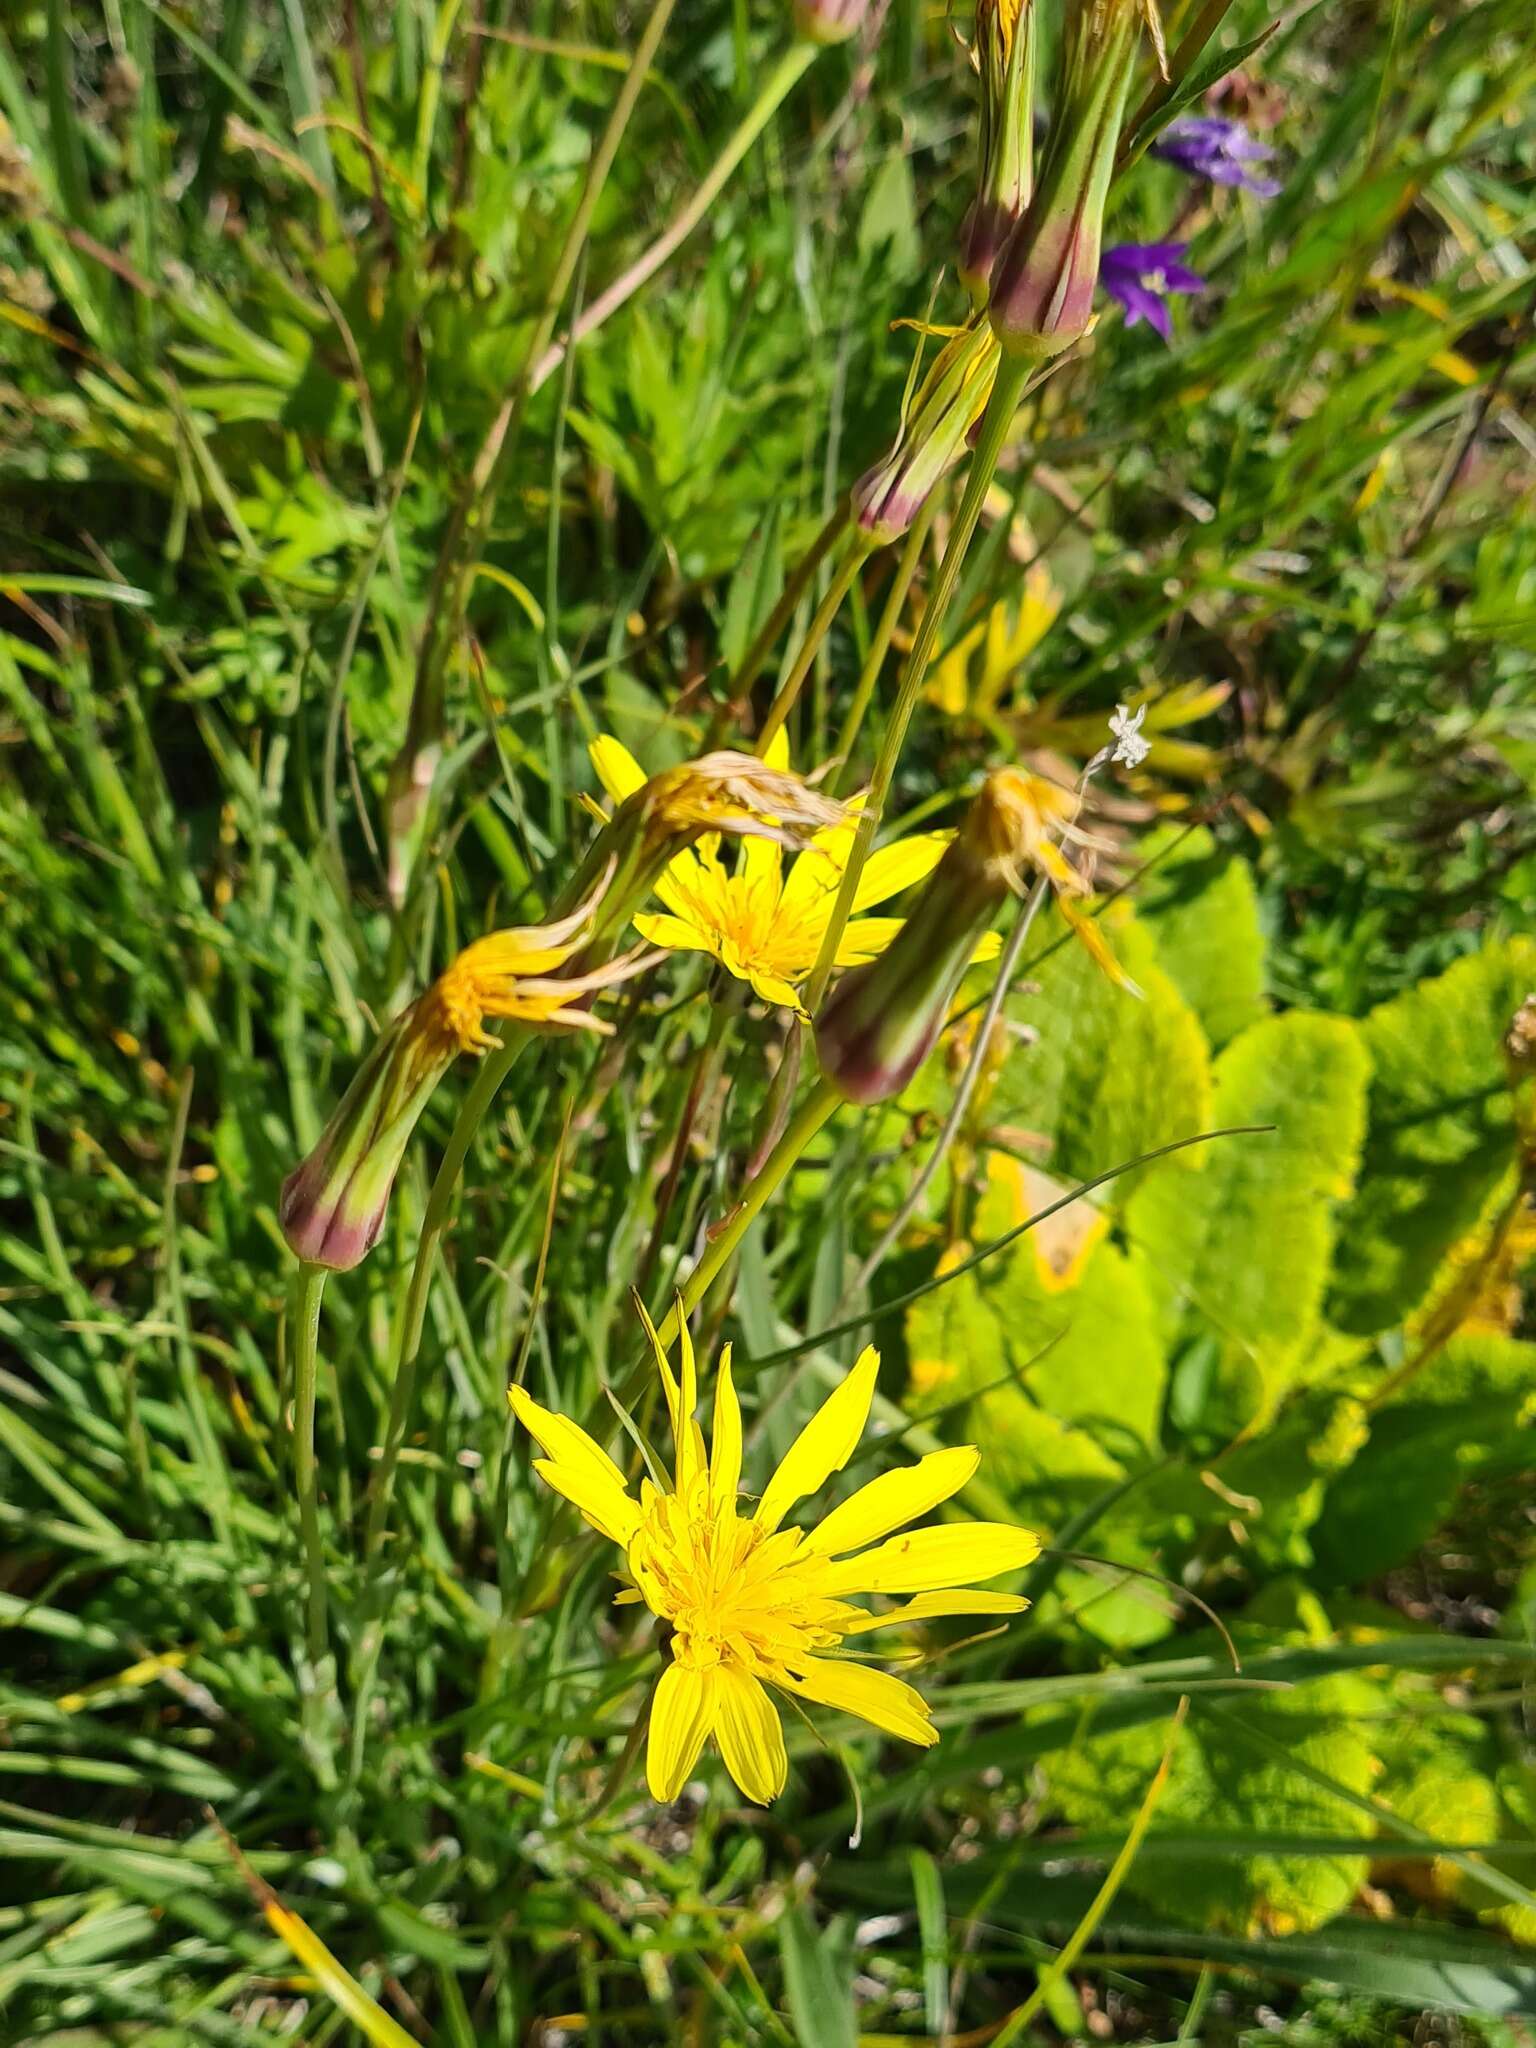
(988, 946)
(750, 1735)
(936, 1606)
(926, 1559)
(725, 1462)
(825, 1444)
(874, 1696)
(682, 1715)
(864, 938)
(564, 1441)
(895, 1497)
(1094, 943)
(617, 769)
(608, 1509)
(674, 933)
(772, 988)
(668, 1383)
(776, 754)
(690, 1445)
(890, 869)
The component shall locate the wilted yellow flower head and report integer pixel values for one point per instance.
(882, 1021)
(763, 923)
(333, 1205)
(750, 1603)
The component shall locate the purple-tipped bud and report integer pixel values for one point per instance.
(1043, 282)
(950, 400)
(1004, 54)
(333, 1206)
(882, 1021)
(830, 21)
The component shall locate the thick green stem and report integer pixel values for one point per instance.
(1012, 376)
(308, 1289)
(874, 661)
(789, 690)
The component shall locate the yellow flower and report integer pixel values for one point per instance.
(751, 1603)
(333, 1203)
(762, 923)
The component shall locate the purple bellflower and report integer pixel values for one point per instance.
(1215, 147)
(1140, 274)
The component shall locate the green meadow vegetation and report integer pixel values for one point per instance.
(427, 434)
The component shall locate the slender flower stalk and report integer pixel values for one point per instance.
(1013, 378)
(750, 1602)
(308, 1290)
(788, 692)
(879, 646)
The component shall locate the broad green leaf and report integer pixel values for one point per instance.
(1240, 1252)
(1064, 1320)
(1201, 905)
(1218, 1783)
(1466, 1416)
(1440, 1135)
(1107, 1075)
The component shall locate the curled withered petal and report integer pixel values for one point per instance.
(731, 792)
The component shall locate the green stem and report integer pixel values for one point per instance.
(308, 1290)
(800, 668)
(869, 675)
(808, 1120)
(706, 1067)
(1013, 374)
(752, 662)
(493, 1070)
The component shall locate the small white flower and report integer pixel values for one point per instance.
(1130, 748)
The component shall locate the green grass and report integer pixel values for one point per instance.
(268, 275)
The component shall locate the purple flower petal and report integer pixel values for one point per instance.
(1211, 146)
(1139, 275)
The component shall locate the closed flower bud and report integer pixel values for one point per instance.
(830, 21)
(882, 1021)
(949, 402)
(1043, 282)
(1004, 54)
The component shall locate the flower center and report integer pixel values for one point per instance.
(731, 1592)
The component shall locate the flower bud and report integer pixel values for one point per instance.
(829, 21)
(1043, 282)
(950, 400)
(882, 1021)
(333, 1205)
(1004, 54)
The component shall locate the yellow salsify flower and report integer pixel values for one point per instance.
(333, 1204)
(751, 1603)
(763, 923)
